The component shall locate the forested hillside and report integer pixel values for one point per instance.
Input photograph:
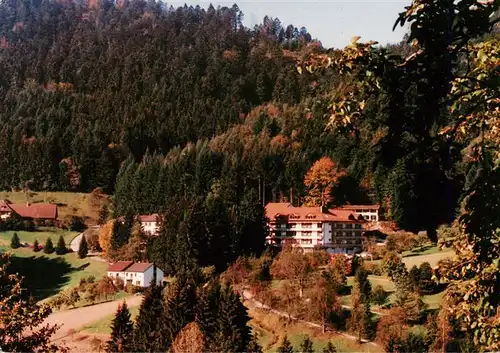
(154, 104)
(83, 86)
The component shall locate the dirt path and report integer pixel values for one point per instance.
(76, 318)
(247, 295)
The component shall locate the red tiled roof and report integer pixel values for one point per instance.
(119, 266)
(35, 211)
(139, 267)
(311, 214)
(361, 207)
(149, 218)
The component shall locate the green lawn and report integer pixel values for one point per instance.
(296, 337)
(434, 301)
(432, 259)
(41, 235)
(383, 281)
(46, 275)
(103, 326)
(424, 250)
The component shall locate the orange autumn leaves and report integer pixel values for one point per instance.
(320, 180)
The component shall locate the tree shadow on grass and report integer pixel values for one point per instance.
(43, 276)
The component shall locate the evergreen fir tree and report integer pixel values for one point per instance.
(83, 248)
(426, 283)
(15, 242)
(364, 284)
(61, 246)
(286, 346)
(207, 310)
(254, 346)
(103, 214)
(306, 345)
(149, 331)
(36, 246)
(330, 348)
(48, 247)
(232, 322)
(179, 307)
(122, 331)
(414, 277)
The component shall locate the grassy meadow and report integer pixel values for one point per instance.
(68, 203)
(41, 235)
(47, 274)
(103, 326)
(271, 328)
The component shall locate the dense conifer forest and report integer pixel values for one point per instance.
(84, 85)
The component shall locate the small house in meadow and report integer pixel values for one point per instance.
(139, 274)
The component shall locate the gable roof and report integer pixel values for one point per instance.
(139, 267)
(361, 207)
(35, 211)
(119, 266)
(149, 218)
(311, 214)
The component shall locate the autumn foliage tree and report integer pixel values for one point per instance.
(292, 264)
(320, 180)
(105, 234)
(323, 300)
(189, 340)
(21, 318)
(392, 326)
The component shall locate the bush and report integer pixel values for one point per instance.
(49, 246)
(77, 224)
(15, 242)
(83, 249)
(61, 246)
(390, 262)
(426, 284)
(373, 268)
(36, 246)
(379, 296)
(119, 283)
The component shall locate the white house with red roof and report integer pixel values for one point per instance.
(336, 230)
(150, 224)
(140, 274)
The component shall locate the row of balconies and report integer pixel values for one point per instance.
(299, 226)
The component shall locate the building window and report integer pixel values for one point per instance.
(137, 283)
(306, 241)
(306, 225)
(306, 234)
(358, 226)
(353, 234)
(318, 225)
(373, 218)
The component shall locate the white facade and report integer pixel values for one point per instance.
(338, 238)
(370, 213)
(143, 279)
(114, 275)
(150, 227)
